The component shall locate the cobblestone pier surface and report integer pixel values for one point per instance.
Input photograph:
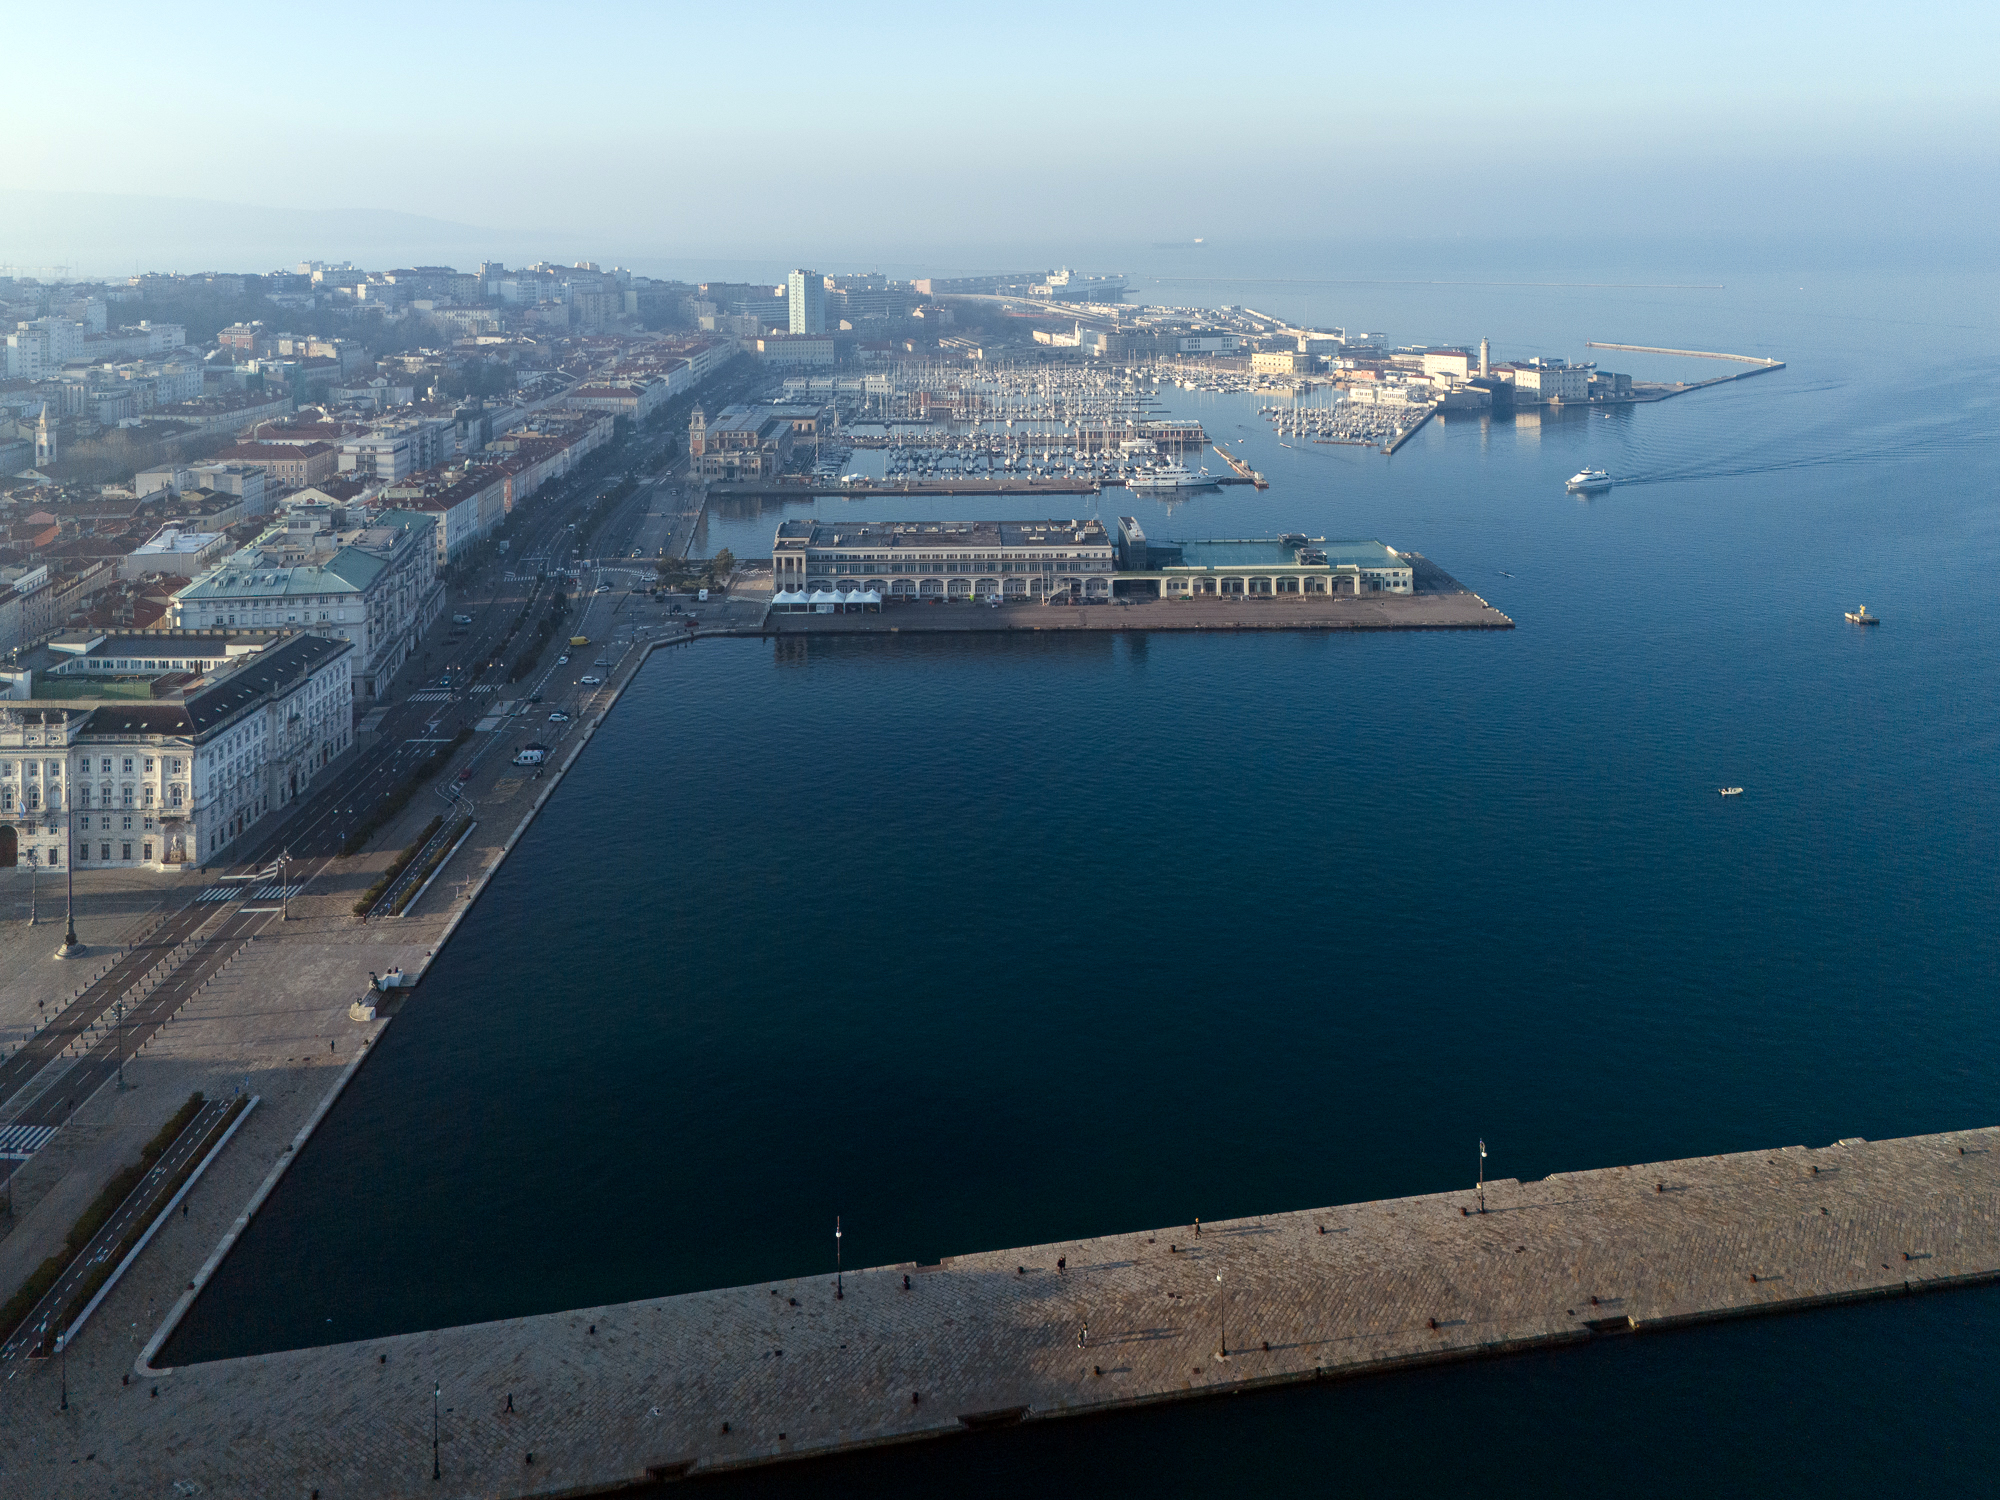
(677, 1386)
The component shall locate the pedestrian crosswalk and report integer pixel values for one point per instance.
(487, 687)
(19, 1142)
(431, 695)
(247, 893)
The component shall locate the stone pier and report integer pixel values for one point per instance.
(609, 1396)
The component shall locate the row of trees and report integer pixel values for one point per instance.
(544, 630)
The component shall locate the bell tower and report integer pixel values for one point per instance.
(45, 439)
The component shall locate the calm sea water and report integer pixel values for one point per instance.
(987, 941)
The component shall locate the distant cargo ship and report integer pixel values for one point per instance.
(1589, 482)
(1178, 244)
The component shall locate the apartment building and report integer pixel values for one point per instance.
(369, 578)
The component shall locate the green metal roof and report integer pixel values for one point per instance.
(1271, 552)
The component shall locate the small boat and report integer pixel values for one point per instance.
(1730, 791)
(1588, 482)
(1862, 617)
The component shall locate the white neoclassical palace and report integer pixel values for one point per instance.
(164, 759)
(946, 559)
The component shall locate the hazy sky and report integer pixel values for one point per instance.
(631, 131)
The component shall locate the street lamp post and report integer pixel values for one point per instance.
(62, 1348)
(69, 943)
(34, 872)
(121, 1044)
(436, 1391)
(839, 1291)
(1482, 1177)
(1222, 1319)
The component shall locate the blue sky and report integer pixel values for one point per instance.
(667, 129)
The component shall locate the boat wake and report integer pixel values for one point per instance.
(1822, 426)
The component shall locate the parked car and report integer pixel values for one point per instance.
(461, 619)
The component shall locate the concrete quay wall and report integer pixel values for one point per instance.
(714, 1380)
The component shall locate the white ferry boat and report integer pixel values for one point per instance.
(1174, 476)
(1588, 482)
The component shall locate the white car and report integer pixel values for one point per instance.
(562, 661)
(590, 681)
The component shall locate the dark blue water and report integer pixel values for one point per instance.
(980, 942)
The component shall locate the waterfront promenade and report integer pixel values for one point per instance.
(609, 1396)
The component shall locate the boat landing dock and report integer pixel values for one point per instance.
(614, 1396)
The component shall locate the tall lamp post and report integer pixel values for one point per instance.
(1222, 1319)
(70, 946)
(34, 874)
(839, 1292)
(1482, 1177)
(436, 1391)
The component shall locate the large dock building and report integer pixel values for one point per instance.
(946, 559)
(1291, 564)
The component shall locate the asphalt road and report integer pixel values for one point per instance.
(151, 1188)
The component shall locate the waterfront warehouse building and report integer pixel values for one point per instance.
(943, 560)
(1293, 564)
(159, 749)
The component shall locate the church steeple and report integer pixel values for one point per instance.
(45, 439)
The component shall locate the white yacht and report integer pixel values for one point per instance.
(1174, 476)
(1588, 482)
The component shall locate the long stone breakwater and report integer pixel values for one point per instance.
(580, 1402)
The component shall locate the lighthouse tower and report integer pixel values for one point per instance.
(45, 439)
